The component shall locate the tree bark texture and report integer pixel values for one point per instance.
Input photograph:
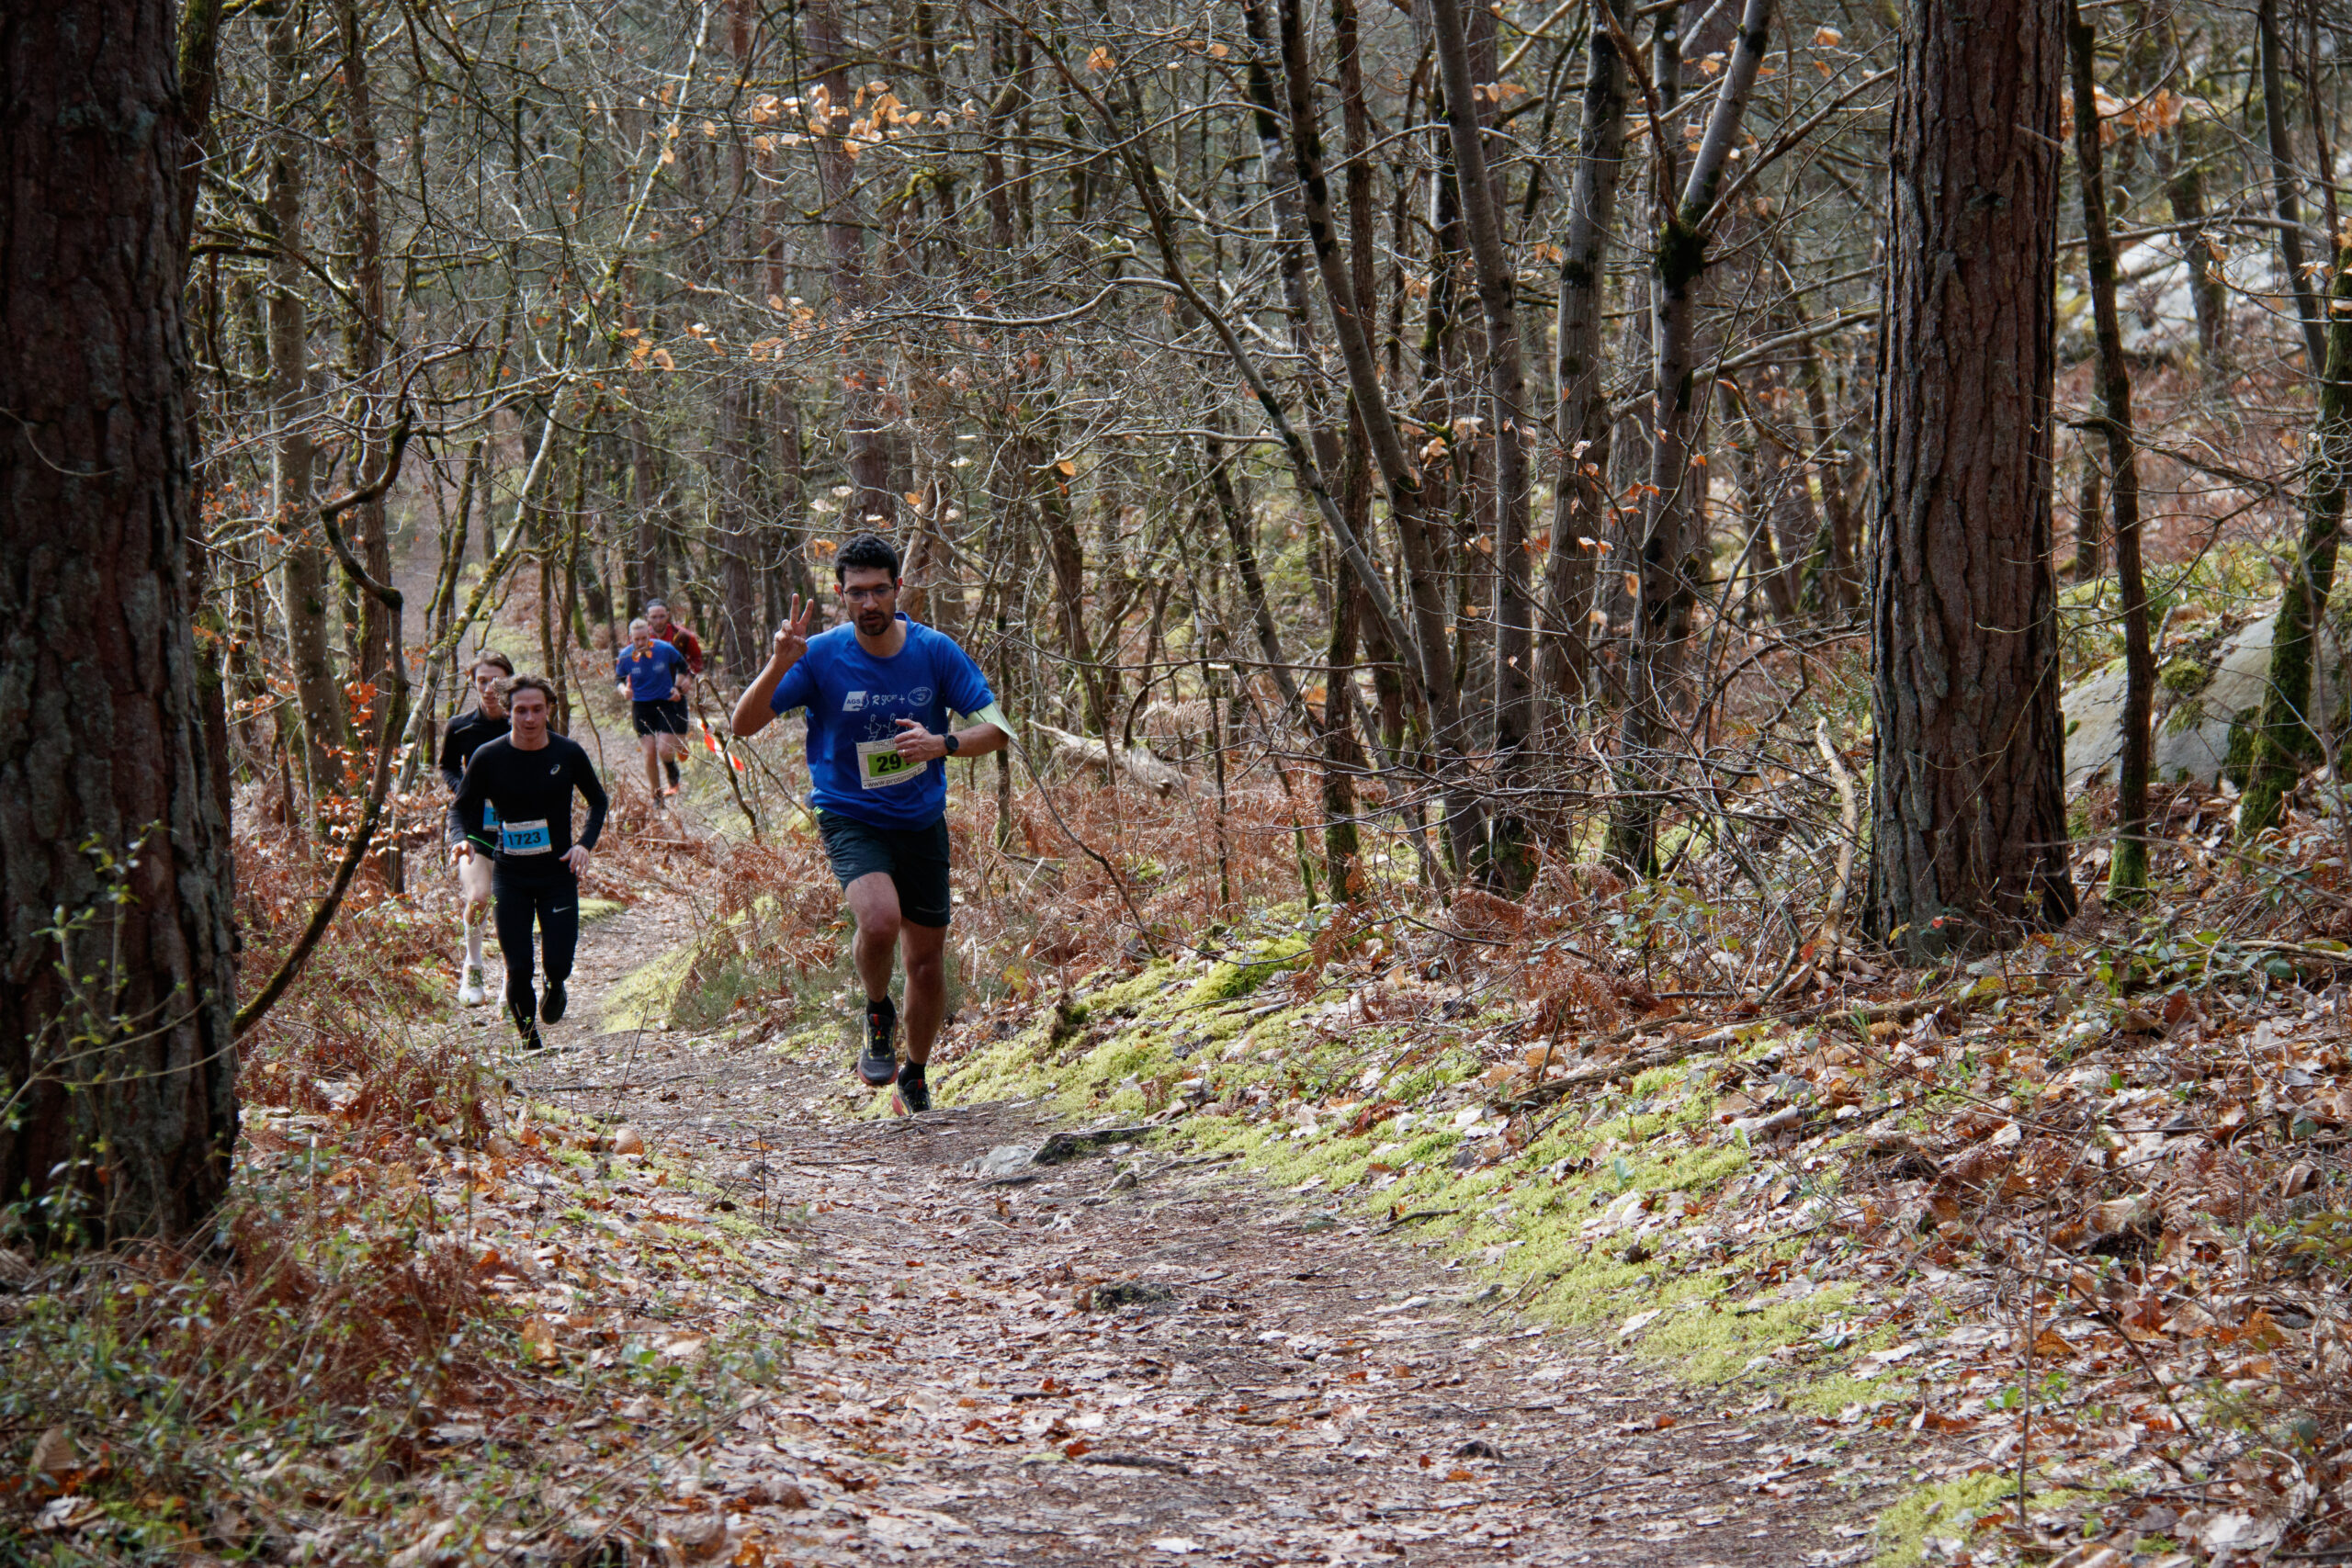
(2128, 867)
(108, 810)
(1969, 819)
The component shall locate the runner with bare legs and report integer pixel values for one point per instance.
(879, 692)
(653, 675)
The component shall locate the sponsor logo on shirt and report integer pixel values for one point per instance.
(919, 696)
(853, 701)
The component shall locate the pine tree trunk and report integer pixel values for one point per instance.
(115, 1035)
(1969, 817)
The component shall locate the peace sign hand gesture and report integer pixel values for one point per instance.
(792, 637)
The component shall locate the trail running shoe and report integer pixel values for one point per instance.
(878, 1063)
(531, 1041)
(914, 1094)
(470, 992)
(551, 1005)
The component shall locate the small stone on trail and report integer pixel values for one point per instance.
(1003, 1163)
(628, 1140)
(1478, 1448)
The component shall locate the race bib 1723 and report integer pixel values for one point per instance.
(525, 838)
(879, 766)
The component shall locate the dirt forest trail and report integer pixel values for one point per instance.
(1142, 1356)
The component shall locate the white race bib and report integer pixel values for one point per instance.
(525, 838)
(879, 766)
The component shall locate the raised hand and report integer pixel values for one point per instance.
(792, 637)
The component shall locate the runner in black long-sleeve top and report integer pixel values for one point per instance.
(528, 778)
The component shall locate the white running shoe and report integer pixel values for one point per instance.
(470, 989)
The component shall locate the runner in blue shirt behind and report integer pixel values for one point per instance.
(878, 691)
(655, 677)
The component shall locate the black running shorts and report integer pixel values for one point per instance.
(667, 717)
(915, 859)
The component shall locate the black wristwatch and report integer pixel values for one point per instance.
(954, 743)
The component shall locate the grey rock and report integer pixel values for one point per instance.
(2192, 727)
(1006, 1162)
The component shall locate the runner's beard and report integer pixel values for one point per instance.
(874, 622)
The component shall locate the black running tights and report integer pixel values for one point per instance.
(554, 903)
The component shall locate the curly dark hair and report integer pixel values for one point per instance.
(867, 550)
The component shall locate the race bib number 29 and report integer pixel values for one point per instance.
(879, 766)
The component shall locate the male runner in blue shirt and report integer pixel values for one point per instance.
(655, 677)
(878, 691)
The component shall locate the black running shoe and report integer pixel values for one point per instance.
(914, 1094)
(551, 1005)
(878, 1063)
(531, 1041)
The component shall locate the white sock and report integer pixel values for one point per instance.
(473, 941)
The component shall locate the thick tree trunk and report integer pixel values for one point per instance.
(1969, 815)
(2128, 867)
(114, 1018)
(1580, 514)
(2285, 736)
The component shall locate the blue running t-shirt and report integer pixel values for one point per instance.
(854, 701)
(652, 672)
